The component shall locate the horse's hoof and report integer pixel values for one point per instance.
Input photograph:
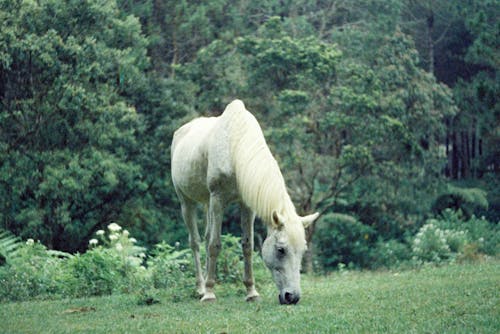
(253, 298)
(208, 298)
(200, 293)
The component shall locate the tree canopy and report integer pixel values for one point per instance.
(371, 107)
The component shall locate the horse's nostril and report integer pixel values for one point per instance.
(290, 298)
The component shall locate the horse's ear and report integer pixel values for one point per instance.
(278, 220)
(308, 220)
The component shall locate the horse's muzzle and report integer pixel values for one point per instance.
(288, 298)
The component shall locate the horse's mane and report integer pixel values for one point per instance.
(259, 179)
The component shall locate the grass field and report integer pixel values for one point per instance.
(451, 299)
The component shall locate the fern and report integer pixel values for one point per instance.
(466, 200)
(473, 196)
(9, 246)
(59, 254)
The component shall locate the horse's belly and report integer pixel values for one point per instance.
(189, 177)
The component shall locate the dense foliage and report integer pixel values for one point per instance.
(114, 263)
(382, 114)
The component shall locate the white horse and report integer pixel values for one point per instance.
(218, 160)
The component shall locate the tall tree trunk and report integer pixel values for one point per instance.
(430, 41)
(464, 156)
(449, 167)
(454, 156)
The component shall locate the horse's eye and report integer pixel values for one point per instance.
(281, 251)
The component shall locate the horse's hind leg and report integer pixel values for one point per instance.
(188, 214)
(247, 222)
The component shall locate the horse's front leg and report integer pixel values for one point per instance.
(188, 213)
(214, 224)
(247, 221)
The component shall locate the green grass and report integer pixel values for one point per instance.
(450, 299)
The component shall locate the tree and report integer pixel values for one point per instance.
(91, 92)
(346, 133)
(457, 42)
(475, 128)
(429, 22)
(68, 134)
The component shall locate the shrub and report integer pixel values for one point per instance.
(34, 271)
(484, 234)
(390, 254)
(114, 262)
(94, 273)
(230, 262)
(343, 239)
(430, 244)
(169, 266)
(456, 240)
(451, 236)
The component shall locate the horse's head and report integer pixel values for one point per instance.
(282, 253)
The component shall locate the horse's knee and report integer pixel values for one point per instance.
(247, 246)
(194, 243)
(246, 243)
(249, 282)
(214, 248)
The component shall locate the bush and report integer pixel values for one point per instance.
(170, 267)
(343, 239)
(481, 232)
(230, 262)
(451, 236)
(114, 263)
(430, 244)
(94, 273)
(390, 254)
(34, 271)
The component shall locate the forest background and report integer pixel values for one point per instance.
(381, 114)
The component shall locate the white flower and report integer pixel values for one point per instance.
(133, 240)
(119, 247)
(100, 232)
(113, 237)
(142, 255)
(93, 242)
(114, 227)
(126, 233)
(30, 241)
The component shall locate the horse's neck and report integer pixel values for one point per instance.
(260, 182)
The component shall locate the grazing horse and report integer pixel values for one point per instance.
(218, 160)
